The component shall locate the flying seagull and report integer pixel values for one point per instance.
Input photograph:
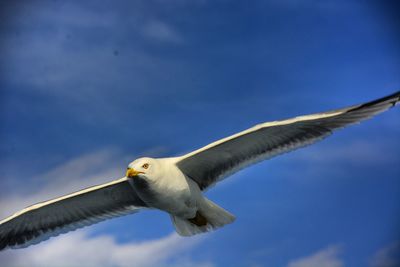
(175, 184)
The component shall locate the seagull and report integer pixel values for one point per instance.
(176, 184)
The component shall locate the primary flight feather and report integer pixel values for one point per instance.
(175, 185)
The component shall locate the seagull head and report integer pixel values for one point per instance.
(142, 167)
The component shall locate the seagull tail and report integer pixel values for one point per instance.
(209, 217)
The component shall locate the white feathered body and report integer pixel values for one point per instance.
(168, 189)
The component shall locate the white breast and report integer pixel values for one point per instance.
(175, 193)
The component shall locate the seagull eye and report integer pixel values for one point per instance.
(145, 166)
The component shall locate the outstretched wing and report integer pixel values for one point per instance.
(216, 161)
(50, 218)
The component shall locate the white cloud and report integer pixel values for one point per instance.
(360, 151)
(77, 249)
(327, 257)
(161, 31)
(318, 158)
(388, 256)
(67, 14)
(81, 172)
(326, 5)
(69, 59)
(86, 170)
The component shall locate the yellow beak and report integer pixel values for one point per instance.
(130, 173)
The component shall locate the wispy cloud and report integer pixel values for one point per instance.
(358, 151)
(66, 59)
(324, 156)
(388, 256)
(327, 257)
(81, 172)
(160, 31)
(77, 249)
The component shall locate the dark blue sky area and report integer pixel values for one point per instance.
(161, 78)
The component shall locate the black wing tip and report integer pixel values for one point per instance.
(396, 95)
(393, 99)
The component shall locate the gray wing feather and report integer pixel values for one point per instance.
(51, 218)
(220, 159)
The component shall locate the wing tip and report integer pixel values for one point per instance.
(392, 99)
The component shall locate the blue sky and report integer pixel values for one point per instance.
(88, 86)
